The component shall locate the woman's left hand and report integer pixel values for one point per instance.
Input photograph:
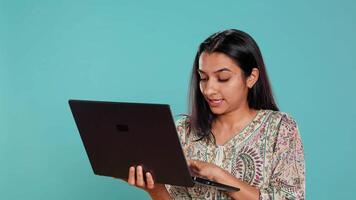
(217, 174)
(205, 169)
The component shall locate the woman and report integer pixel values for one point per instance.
(234, 133)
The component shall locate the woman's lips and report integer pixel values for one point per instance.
(215, 102)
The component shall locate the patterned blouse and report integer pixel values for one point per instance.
(267, 154)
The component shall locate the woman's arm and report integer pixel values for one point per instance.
(247, 192)
(288, 165)
(215, 173)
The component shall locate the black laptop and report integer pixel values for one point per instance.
(117, 135)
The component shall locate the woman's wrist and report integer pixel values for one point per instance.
(159, 192)
(221, 175)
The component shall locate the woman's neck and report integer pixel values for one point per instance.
(234, 121)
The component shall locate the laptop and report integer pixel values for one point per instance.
(117, 135)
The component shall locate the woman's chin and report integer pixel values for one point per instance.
(217, 110)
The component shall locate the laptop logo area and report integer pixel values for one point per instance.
(122, 128)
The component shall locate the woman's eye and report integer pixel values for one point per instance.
(223, 80)
(220, 80)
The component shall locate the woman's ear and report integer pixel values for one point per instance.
(253, 78)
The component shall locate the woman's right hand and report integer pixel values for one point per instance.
(136, 178)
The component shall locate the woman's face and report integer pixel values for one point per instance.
(222, 83)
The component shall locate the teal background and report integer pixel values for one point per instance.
(51, 51)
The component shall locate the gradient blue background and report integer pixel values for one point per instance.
(51, 51)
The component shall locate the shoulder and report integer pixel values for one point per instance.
(282, 126)
(288, 142)
(287, 123)
(281, 119)
(286, 133)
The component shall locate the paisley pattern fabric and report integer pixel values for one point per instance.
(267, 154)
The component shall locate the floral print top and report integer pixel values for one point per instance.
(267, 154)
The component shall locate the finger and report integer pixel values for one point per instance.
(150, 182)
(194, 165)
(189, 162)
(193, 172)
(139, 179)
(131, 179)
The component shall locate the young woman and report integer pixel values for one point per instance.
(234, 133)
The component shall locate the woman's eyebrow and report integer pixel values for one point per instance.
(217, 71)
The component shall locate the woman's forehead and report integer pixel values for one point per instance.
(216, 62)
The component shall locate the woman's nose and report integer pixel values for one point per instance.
(210, 87)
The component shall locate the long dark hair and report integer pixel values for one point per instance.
(243, 49)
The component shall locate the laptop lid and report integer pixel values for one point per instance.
(117, 135)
